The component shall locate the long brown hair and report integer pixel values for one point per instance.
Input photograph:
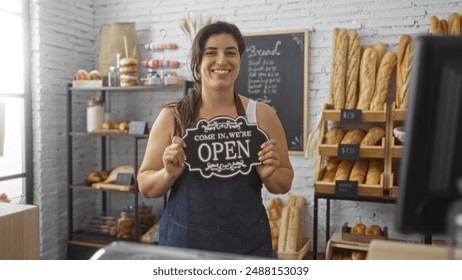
(185, 110)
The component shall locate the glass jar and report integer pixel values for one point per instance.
(95, 114)
(146, 217)
(126, 223)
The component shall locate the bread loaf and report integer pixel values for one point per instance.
(454, 24)
(343, 170)
(367, 73)
(340, 67)
(331, 168)
(435, 28)
(374, 171)
(406, 73)
(444, 26)
(354, 136)
(332, 70)
(354, 57)
(381, 50)
(359, 170)
(300, 205)
(274, 211)
(335, 135)
(386, 68)
(291, 221)
(401, 72)
(373, 136)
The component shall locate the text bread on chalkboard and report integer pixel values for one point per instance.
(223, 146)
(274, 71)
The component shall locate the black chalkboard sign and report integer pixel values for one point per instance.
(274, 71)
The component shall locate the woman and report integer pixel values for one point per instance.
(215, 214)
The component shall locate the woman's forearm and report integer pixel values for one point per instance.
(280, 181)
(154, 183)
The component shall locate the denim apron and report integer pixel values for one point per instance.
(217, 214)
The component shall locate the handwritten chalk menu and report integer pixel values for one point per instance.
(223, 146)
(274, 71)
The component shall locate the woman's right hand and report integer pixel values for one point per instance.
(174, 157)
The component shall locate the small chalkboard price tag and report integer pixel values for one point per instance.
(137, 127)
(347, 189)
(348, 151)
(350, 116)
(223, 146)
(125, 179)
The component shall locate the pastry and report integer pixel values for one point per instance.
(358, 255)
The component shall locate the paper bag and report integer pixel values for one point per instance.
(112, 42)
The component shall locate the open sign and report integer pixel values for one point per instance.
(223, 146)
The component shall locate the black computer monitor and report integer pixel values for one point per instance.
(432, 157)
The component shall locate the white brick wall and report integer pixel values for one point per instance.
(65, 38)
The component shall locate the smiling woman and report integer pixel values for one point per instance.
(202, 211)
(15, 122)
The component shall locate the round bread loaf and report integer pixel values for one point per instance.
(374, 230)
(358, 229)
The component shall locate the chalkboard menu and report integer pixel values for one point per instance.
(274, 71)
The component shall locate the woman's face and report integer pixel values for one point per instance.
(220, 62)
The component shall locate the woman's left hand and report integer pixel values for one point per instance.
(269, 157)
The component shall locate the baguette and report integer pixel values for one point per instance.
(283, 228)
(354, 136)
(343, 170)
(454, 24)
(435, 27)
(332, 70)
(354, 57)
(367, 72)
(331, 168)
(406, 74)
(335, 135)
(382, 84)
(381, 50)
(340, 67)
(359, 170)
(293, 229)
(373, 136)
(444, 27)
(404, 40)
(374, 171)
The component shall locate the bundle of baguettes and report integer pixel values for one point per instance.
(274, 211)
(360, 75)
(291, 231)
(451, 26)
(403, 71)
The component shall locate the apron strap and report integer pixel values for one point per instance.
(239, 106)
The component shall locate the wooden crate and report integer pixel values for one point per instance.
(377, 151)
(330, 114)
(393, 187)
(347, 236)
(336, 244)
(363, 189)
